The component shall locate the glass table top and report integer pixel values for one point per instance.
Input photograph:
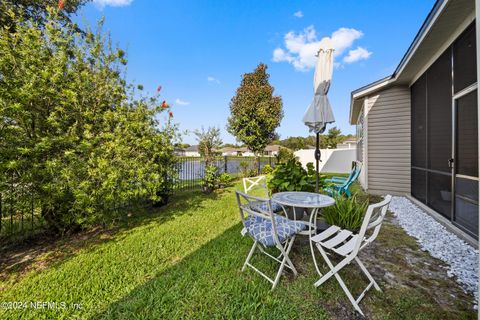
(303, 199)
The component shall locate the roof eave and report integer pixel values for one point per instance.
(372, 87)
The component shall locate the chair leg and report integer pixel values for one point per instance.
(285, 260)
(349, 295)
(369, 276)
(333, 269)
(287, 252)
(334, 272)
(250, 254)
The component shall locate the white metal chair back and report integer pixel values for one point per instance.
(373, 219)
(244, 204)
(253, 183)
(252, 207)
(347, 244)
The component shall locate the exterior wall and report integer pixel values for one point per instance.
(387, 156)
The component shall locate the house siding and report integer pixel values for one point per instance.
(388, 146)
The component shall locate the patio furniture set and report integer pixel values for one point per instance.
(266, 221)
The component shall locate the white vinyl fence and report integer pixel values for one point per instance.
(332, 160)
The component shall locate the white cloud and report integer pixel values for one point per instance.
(301, 48)
(112, 3)
(298, 14)
(212, 79)
(357, 55)
(181, 102)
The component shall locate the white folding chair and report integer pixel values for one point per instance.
(267, 229)
(252, 183)
(260, 182)
(347, 244)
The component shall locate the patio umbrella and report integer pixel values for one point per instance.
(319, 113)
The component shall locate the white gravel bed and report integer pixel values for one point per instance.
(433, 237)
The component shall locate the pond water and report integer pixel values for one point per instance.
(194, 168)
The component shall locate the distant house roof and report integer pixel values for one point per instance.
(192, 148)
(273, 148)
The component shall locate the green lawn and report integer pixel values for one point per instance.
(183, 261)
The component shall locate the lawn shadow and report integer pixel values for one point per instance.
(45, 250)
(209, 284)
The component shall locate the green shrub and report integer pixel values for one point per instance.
(224, 179)
(347, 213)
(291, 176)
(267, 169)
(72, 130)
(210, 179)
(284, 155)
(247, 169)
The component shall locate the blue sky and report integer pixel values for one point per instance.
(198, 50)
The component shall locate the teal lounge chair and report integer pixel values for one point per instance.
(341, 180)
(342, 188)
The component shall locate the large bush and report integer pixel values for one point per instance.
(70, 130)
(291, 176)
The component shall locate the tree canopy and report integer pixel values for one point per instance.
(36, 10)
(255, 113)
(209, 141)
(329, 140)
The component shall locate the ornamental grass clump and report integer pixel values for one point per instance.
(347, 213)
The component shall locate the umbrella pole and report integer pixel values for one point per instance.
(317, 159)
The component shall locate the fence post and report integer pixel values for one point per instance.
(226, 167)
(270, 161)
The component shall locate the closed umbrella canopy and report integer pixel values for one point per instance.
(319, 113)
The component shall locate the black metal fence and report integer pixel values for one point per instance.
(20, 213)
(191, 170)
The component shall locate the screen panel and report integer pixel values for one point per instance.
(419, 103)
(439, 113)
(419, 185)
(440, 193)
(466, 204)
(467, 135)
(465, 59)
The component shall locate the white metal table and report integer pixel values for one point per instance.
(310, 200)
